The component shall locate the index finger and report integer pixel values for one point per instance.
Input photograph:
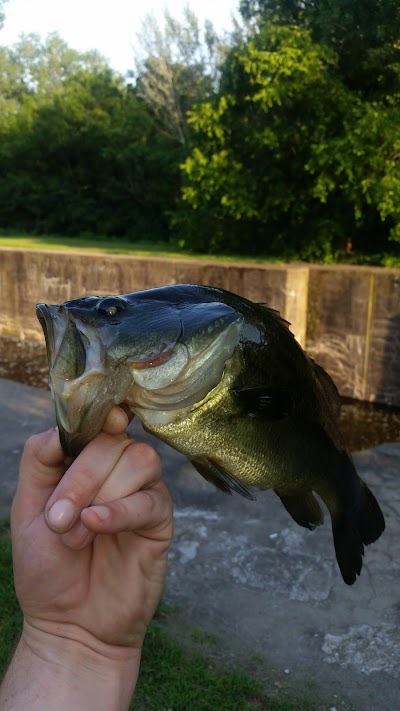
(41, 468)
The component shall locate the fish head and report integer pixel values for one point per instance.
(153, 350)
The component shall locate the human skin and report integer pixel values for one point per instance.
(88, 573)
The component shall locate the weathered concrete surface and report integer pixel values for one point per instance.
(353, 329)
(245, 571)
(54, 276)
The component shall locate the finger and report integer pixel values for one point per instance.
(138, 467)
(83, 480)
(78, 537)
(42, 466)
(117, 420)
(148, 512)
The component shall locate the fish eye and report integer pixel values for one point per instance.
(110, 306)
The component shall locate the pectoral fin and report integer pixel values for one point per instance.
(303, 508)
(265, 401)
(224, 481)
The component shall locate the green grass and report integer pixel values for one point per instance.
(10, 613)
(171, 678)
(147, 248)
(112, 245)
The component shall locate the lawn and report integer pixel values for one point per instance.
(117, 246)
(114, 245)
(171, 678)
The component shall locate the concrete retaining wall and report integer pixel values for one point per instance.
(348, 319)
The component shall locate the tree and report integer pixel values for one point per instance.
(289, 160)
(39, 67)
(88, 159)
(179, 68)
(365, 35)
(2, 14)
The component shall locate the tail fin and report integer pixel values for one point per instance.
(362, 524)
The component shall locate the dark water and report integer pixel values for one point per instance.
(364, 424)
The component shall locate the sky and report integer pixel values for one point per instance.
(110, 27)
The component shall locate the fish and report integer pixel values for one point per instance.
(223, 380)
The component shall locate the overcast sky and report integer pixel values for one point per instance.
(110, 27)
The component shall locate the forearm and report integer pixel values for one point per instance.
(47, 673)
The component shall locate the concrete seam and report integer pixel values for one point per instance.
(369, 332)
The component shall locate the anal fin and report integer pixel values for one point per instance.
(218, 476)
(303, 508)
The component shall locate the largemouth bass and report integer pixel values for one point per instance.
(222, 380)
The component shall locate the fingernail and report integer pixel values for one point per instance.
(102, 512)
(61, 514)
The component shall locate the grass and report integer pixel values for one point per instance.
(112, 245)
(10, 613)
(171, 678)
(148, 248)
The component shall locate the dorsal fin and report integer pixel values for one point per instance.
(329, 388)
(277, 316)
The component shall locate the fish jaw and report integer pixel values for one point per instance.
(83, 387)
(82, 405)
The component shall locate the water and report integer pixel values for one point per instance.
(364, 424)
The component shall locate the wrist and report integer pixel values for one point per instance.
(67, 641)
(66, 668)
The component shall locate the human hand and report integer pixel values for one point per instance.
(90, 540)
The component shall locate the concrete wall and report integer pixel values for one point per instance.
(348, 319)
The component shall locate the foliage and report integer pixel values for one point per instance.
(179, 68)
(288, 159)
(37, 69)
(280, 141)
(10, 613)
(2, 3)
(363, 33)
(81, 153)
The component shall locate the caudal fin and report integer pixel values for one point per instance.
(354, 528)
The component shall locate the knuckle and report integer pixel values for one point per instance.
(78, 487)
(150, 499)
(145, 455)
(32, 446)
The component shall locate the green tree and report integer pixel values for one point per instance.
(289, 160)
(365, 35)
(2, 13)
(89, 159)
(39, 67)
(178, 68)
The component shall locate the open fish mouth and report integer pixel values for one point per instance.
(93, 366)
(83, 388)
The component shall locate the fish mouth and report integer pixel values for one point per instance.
(83, 387)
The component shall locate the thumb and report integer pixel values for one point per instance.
(41, 468)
